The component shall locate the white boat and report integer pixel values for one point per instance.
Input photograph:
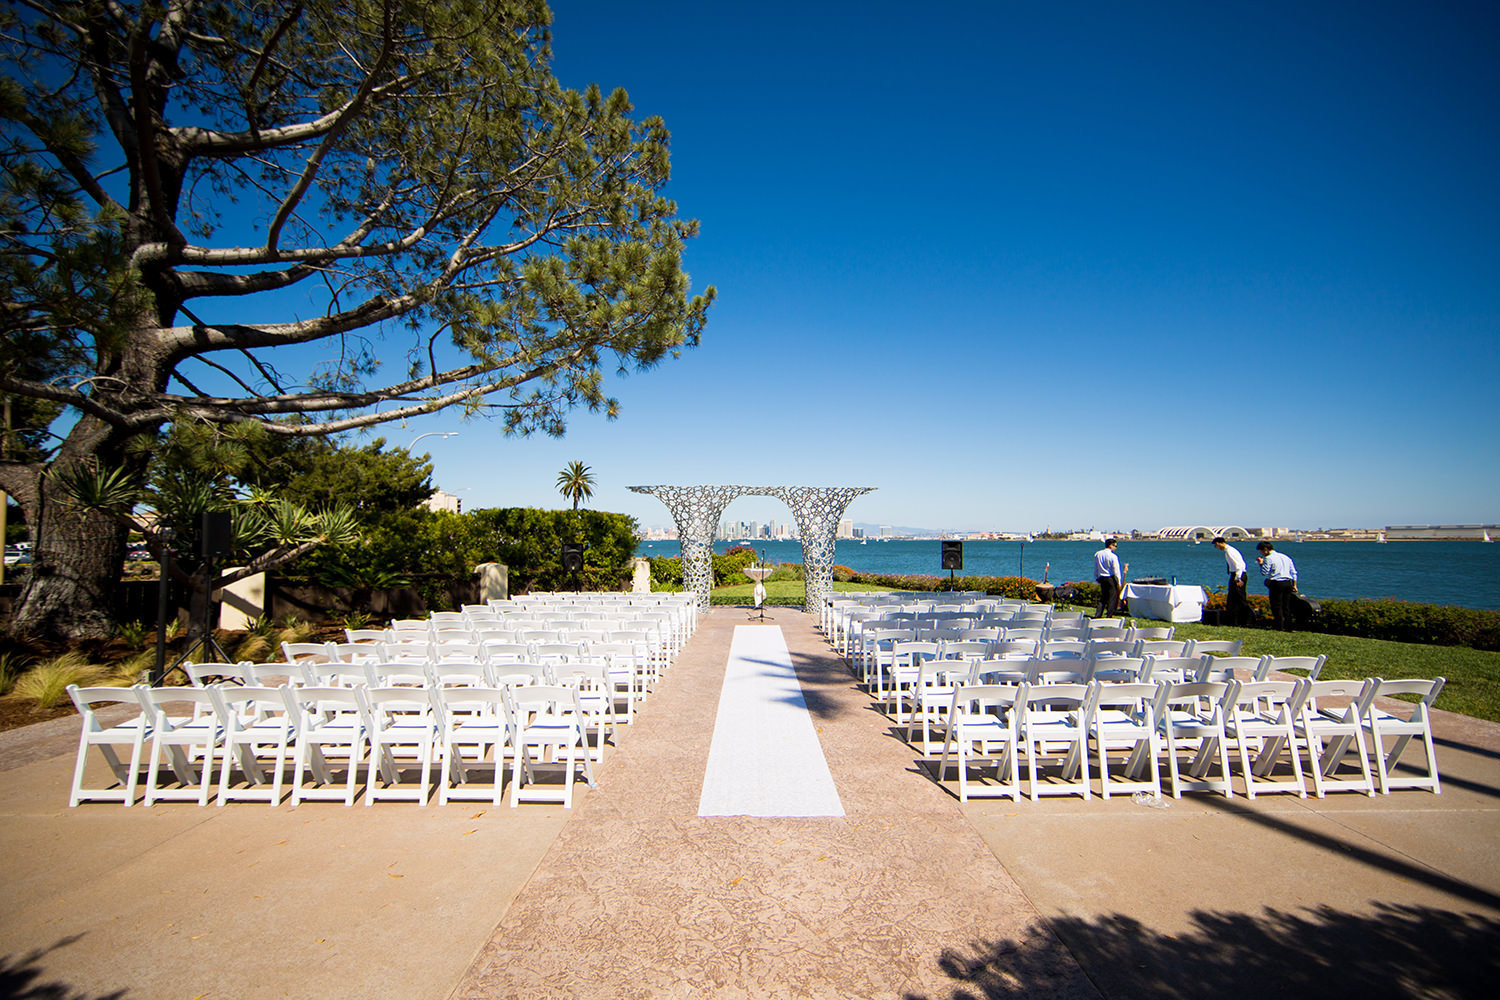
(1380, 537)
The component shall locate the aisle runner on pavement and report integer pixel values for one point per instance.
(765, 759)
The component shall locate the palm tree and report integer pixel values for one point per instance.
(576, 482)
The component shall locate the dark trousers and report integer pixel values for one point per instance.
(1109, 596)
(1237, 604)
(1280, 592)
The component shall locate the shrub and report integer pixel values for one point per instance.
(12, 665)
(47, 682)
(1410, 621)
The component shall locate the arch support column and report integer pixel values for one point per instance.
(818, 510)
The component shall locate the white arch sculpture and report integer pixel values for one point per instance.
(697, 510)
(1188, 532)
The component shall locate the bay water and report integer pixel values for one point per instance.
(1466, 574)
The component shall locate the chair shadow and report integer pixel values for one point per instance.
(1393, 951)
(23, 977)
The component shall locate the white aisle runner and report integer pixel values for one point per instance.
(765, 759)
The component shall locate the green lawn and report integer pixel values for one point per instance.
(1473, 675)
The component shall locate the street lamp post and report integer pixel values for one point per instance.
(444, 434)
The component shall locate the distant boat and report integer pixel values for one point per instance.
(1380, 537)
(1486, 537)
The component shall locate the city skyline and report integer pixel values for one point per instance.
(1118, 269)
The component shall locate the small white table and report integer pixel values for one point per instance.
(1166, 602)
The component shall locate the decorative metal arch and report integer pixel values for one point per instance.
(697, 510)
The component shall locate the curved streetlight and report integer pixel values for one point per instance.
(444, 434)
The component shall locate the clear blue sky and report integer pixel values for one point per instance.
(1088, 264)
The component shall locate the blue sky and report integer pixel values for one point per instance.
(1086, 264)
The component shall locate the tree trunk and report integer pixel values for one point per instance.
(78, 555)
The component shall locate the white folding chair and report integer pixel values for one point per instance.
(458, 674)
(402, 732)
(327, 718)
(1403, 724)
(190, 741)
(982, 728)
(1163, 647)
(1261, 717)
(547, 727)
(259, 732)
(1193, 713)
(471, 719)
(1328, 732)
(906, 660)
(1054, 731)
(1123, 718)
(128, 732)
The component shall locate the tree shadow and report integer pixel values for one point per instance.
(22, 977)
(1323, 953)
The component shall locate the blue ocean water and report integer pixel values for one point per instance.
(1462, 573)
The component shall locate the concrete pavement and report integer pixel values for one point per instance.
(633, 895)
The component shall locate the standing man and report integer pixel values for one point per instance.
(1110, 577)
(1237, 604)
(1281, 583)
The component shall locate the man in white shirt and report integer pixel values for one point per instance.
(1281, 583)
(1110, 577)
(1237, 604)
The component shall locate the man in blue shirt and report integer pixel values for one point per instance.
(1281, 583)
(1110, 577)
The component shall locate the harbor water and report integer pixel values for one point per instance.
(1437, 572)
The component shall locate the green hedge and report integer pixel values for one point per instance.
(529, 542)
(666, 571)
(1409, 621)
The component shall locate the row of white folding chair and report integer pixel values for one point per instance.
(252, 730)
(922, 694)
(1270, 724)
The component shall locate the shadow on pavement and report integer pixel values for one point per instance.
(1395, 951)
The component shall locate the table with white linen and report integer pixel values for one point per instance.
(1166, 602)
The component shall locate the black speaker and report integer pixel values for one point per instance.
(572, 558)
(953, 555)
(215, 534)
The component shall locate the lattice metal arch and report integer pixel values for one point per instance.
(697, 510)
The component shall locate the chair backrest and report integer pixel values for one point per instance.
(1177, 668)
(366, 635)
(911, 651)
(1131, 696)
(523, 703)
(1012, 648)
(1067, 696)
(1195, 697)
(273, 674)
(1163, 647)
(1426, 692)
(1279, 700)
(1066, 632)
(1099, 623)
(1292, 664)
(963, 649)
(438, 651)
(1360, 694)
(382, 674)
(1151, 634)
(1122, 669)
(313, 652)
(519, 674)
(972, 701)
(1199, 646)
(1070, 649)
(203, 674)
(1024, 633)
(1220, 668)
(1112, 647)
(238, 704)
(456, 673)
(88, 700)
